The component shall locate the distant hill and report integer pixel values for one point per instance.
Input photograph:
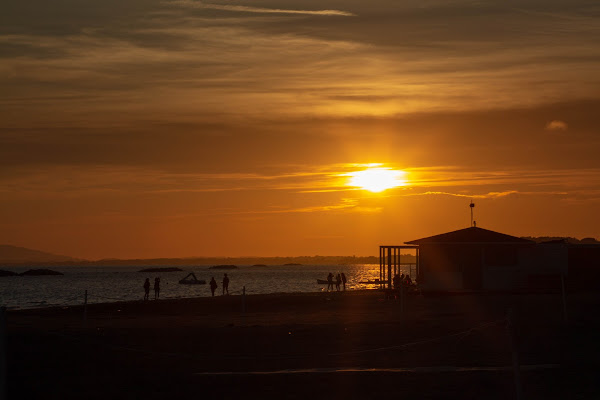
(571, 240)
(20, 255)
(10, 255)
(208, 261)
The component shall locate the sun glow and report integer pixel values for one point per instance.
(377, 179)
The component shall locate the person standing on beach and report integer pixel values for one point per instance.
(396, 281)
(330, 282)
(225, 284)
(338, 281)
(147, 289)
(213, 286)
(344, 280)
(156, 288)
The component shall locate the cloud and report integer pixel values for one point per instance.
(489, 195)
(261, 10)
(557, 125)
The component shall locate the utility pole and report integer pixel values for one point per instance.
(472, 205)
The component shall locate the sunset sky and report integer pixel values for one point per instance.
(145, 128)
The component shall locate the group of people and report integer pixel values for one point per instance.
(213, 287)
(156, 288)
(340, 279)
(401, 280)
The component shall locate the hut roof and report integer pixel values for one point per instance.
(470, 235)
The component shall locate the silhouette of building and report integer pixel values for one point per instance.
(480, 259)
(584, 266)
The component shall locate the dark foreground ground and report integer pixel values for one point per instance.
(341, 345)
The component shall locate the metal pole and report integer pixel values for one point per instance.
(472, 205)
(3, 355)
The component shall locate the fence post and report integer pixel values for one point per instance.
(244, 300)
(3, 355)
(85, 307)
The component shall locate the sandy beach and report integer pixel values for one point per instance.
(321, 345)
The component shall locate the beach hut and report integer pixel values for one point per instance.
(480, 259)
(584, 266)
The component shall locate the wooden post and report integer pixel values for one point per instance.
(417, 266)
(564, 297)
(3, 355)
(389, 276)
(396, 266)
(85, 307)
(512, 331)
(244, 300)
(380, 265)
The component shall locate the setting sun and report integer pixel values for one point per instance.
(377, 179)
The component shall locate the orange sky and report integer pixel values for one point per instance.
(147, 128)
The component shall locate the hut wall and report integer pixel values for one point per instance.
(449, 267)
(584, 267)
(504, 265)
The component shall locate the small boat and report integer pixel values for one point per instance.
(374, 282)
(192, 281)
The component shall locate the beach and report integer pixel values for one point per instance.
(354, 344)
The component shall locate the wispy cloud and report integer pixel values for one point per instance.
(261, 10)
(489, 195)
(557, 125)
(307, 179)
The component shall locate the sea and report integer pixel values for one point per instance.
(106, 284)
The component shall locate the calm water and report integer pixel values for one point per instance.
(114, 283)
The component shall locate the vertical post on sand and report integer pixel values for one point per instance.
(564, 297)
(512, 331)
(3, 355)
(85, 307)
(244, 300)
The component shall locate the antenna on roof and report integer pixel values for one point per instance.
(472, 205)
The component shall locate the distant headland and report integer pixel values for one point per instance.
(21, 256)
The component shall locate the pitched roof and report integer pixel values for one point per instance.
(471, 235)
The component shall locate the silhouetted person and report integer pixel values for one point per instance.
(344, 280)
(156, 288)
(147, 289)
(213, 285)
(396, 281)
(330, 282)
(338, 281)
(225, 284)
(408, 280)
